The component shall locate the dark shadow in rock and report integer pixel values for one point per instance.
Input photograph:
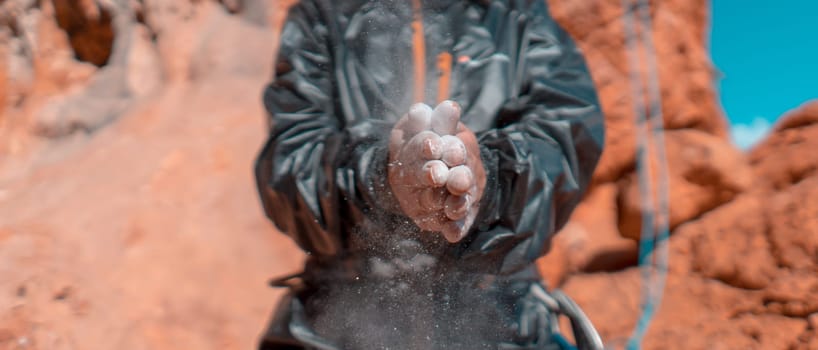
(89, 28)
(612, 260)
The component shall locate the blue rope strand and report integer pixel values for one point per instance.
(650, 140)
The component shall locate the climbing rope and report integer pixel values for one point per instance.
(651, 162)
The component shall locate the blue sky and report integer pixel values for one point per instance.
(767, 53)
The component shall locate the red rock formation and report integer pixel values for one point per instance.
(591, 240)
(698, 182)
(743, 256)
(129, 213)
(788, 156)
(743, 275)
(704, 172)
(685, 72)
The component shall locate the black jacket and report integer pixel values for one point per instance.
(347, 70)
(345, 73)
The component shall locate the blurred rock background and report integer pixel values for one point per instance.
(129, 218)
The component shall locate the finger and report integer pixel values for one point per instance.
(426, 144)
(433, 199)
(401, 123)
(398, 136)
(454, 151)
(453, 231)
(431, 146)
(456, 207)
(406, 160)
(445, 118)
(459, 180)
(395, 142)
(434, 173)
(462, 128)
(465, 134)
(419, 118)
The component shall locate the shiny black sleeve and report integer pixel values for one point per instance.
(542, 152)
(317, 177)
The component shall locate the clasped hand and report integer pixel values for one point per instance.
(435, 169)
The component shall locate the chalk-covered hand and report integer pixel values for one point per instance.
(435, 169)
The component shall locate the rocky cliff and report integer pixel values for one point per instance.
(129, 219)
